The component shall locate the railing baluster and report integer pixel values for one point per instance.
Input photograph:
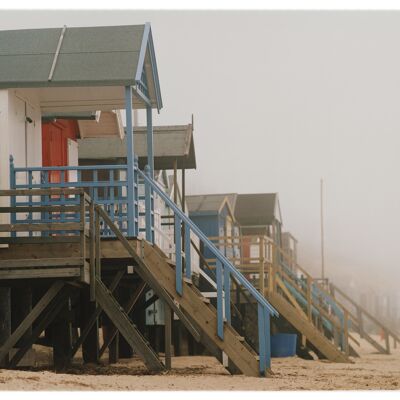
(227, 292)
(188, 261)
(178, 255)
(267, 336)
(220, 300)
(262, 351)
(148, 208)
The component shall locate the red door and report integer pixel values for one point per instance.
(55, 137)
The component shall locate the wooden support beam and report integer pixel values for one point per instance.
(94, 317)
(90, 336)
(127, 308)
(62, 338)
(168, 335)
(41, 262)
(31, 318)
(146, 276)
(21, 301)
(43, 322)
(55, 226)
(5, 319)
(122, 322)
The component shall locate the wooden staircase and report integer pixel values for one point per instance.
(200, 312)
(127, 329)
(306, 328)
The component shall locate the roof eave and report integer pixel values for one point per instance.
(147, 44)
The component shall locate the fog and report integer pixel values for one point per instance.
(281, 99)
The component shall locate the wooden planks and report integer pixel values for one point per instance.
(291, 314)
(127, 329)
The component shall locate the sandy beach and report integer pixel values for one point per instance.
(370, 371)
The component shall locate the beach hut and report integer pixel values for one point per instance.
(71, 232)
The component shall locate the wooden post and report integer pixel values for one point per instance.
(262, 266)
(387, 343)
(168, 335)
(92, 251)
(271, 274)
(5, 319)
(62, 338)
(21, 302)
(346, 331)
(360, 322)
(176, 181)
(309, 302)
(90, 346)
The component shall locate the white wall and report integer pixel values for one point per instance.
(21, 139)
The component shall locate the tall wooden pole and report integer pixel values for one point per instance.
(322, 232)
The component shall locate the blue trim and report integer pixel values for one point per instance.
(188, 261)
(130, 151)
(227, 293)
(147, 43)
(142, 53)
(178, 256)
(217, 254)
(220, 301)
(262, 351)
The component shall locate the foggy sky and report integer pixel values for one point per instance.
(281, 99)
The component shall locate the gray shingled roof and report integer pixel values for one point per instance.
(170, 143)
(106, 55)
(256, 208)
(210, 202)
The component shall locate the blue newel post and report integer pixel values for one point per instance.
(130, 153)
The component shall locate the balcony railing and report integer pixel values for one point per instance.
(105, 184)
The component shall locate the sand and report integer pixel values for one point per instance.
(371, 371)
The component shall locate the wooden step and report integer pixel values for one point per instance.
(125, 326)
(203, 314)
(313, 335)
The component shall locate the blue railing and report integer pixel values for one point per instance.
(224, 271)
(106, 185)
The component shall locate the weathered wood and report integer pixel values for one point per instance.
(55, 226)
(40, 239)
(143, 271)
(32, 209)
(315, 337)
(40, 273)
(41, 262)
(43, 321)
(168, 335)
(92, 251)
(62, 340)
(89, 339)
(41, 192)
(21, 301)
(127, 308)
(122, 322)
(95, 315)
(29, 320)
(203, 314)
(5, 319)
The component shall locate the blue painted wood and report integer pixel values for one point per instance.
(267, 322)
(262, 351)
(188, 261)
(178, 254)
(220, 301)
(148, 208)
(130, 154)
(227, 293)
(217, 254)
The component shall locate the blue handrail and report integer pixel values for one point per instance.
(225, 270)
